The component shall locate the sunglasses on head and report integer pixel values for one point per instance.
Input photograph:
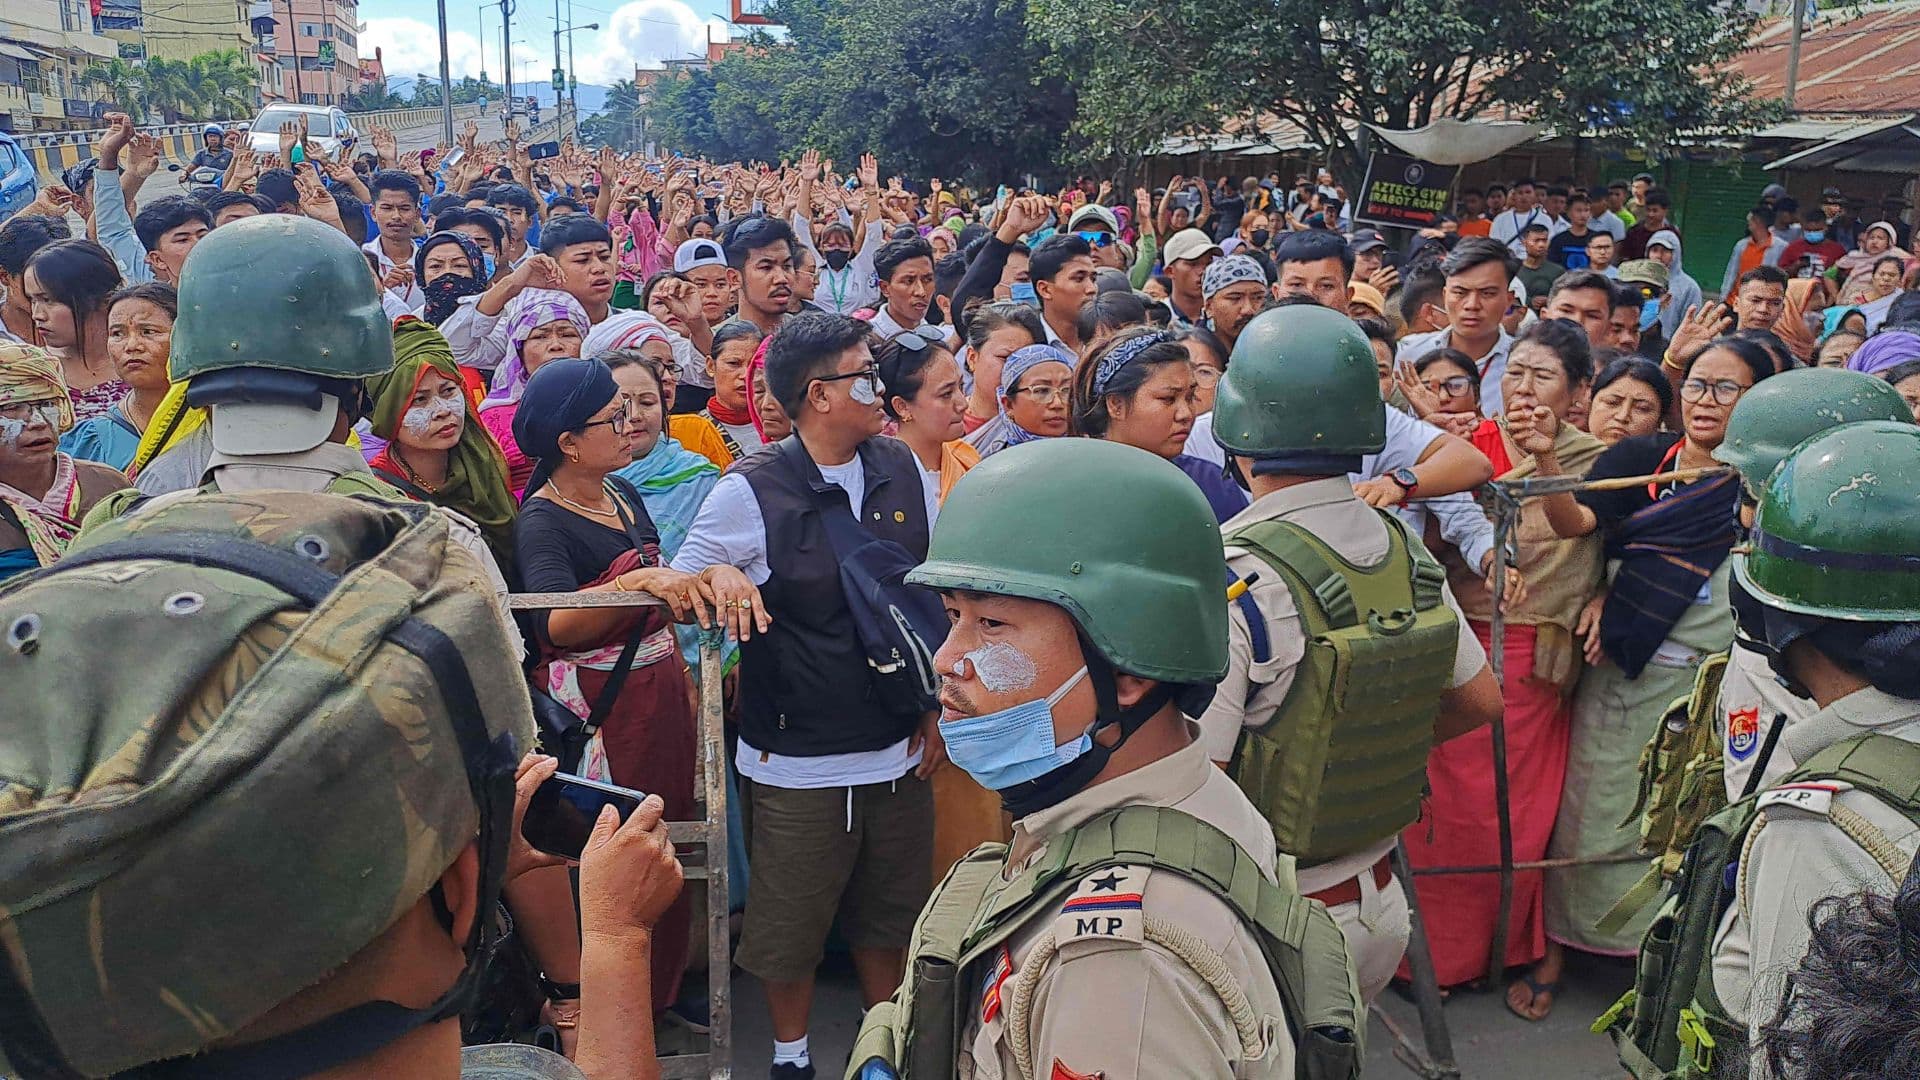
(912, 342)
(1096, 238)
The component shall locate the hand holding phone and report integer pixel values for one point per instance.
(540, 151)
(628, 873)
(562, 813)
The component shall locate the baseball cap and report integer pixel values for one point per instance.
(1189, 244)
(1366, 240)
(1832, 195)
(1094, 212)
(1773, 191)
(1645, 272)
(698, 252)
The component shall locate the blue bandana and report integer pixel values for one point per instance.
(1123, 354)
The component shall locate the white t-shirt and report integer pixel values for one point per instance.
(729, 529)
(1407, 439)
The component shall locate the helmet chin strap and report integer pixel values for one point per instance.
(1058, 785)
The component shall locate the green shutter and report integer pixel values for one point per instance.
(1710, 202)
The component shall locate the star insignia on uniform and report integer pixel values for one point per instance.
(1106, 884)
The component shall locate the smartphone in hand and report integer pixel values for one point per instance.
(561, 814)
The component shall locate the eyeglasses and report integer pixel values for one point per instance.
(1205, 376)
(1043, 395)
(869, 373)
(47, 408)
(912, 342)
(1452, 386)
(1096, 237)
(1725, 391)
(619, 422)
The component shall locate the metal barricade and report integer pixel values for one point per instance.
(709, 833)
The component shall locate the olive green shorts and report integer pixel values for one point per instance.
(808, 865)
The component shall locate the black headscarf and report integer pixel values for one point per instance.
(445, 291)
(560, 397)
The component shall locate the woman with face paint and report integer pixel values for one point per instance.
(67, 285)
(548, 325)
(43, 492)
(139, 339)
(1138, 389)
(769, 418)
(1036, 391)
(436, 450)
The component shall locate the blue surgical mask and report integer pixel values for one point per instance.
(1813, 237)
(1023, 293)
(486, 260)
(1649, 313)
(1013, 746)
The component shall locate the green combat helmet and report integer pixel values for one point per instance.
(278, 314)
(1784, 411)
(1301, 384)
(1129, 548)
(324, 718)
(1837, 533)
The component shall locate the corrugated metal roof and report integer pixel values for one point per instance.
(1862, 61)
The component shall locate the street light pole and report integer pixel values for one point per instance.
(293, 42)
(573, 79)
(506, 51)
(446, 79)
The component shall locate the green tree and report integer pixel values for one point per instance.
(372, 97)
(171, 90)
(1642, 74)
(618, 123)
(123, 85)
(224, 85)
(951, 88)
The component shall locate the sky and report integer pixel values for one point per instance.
(642, 32)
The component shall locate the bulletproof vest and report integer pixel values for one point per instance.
(1341, 765)
(1680, 787)
(1672, 1025)
(916, 1035)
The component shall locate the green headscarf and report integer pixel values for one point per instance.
(476, 484)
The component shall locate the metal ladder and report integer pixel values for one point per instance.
(709, 833)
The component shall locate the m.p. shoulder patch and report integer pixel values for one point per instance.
(1104, 907)
(1813, 796)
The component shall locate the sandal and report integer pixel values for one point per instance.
(1550, 990)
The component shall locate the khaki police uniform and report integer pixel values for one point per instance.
(1751, 702)
(1807, 845)
(1359, 890)
(1100, 999)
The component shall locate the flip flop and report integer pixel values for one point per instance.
(1552, 990)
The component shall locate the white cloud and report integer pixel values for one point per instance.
(642, 33)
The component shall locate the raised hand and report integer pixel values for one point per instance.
(810, 166)
(143, 155)
(118, 134)
(869, 172)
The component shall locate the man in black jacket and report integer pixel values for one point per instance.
(842, 821)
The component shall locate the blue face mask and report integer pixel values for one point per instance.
(1649, 313)
(1014, 745)
(1023, 293)
(1814, 237)
(486, 260)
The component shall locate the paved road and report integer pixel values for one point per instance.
(168, 182)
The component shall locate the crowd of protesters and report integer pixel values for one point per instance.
(596, 337)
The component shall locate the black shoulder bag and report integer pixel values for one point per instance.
(564, 734)
(899, 625)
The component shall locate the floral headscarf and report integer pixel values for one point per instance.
(30, 373)
(444, 292)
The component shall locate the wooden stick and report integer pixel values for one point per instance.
(1531, 486)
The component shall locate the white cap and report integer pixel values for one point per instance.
(696, 253)
(246, 428)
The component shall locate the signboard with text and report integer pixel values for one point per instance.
(1404, 191)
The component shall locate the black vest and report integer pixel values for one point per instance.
(804, 684)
